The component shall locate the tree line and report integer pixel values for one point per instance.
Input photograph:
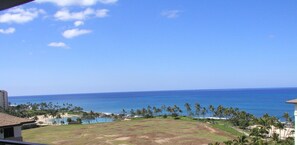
(259, 134)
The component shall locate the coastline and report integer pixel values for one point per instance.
(43, 121)
(253, 101)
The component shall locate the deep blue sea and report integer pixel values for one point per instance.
(255, 101)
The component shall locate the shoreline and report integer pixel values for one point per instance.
(46, 120)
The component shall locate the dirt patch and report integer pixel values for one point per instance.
(111, 135)
(122, 138)
(210, 129)
(144, 137)
(84, 135)
(162, 141)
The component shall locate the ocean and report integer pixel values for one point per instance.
(255, 101)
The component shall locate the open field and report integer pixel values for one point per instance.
(140, 132)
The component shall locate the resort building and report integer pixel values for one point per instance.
(11, 127)
(3, 99)
(295, 114)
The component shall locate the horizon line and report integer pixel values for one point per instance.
(109, 92)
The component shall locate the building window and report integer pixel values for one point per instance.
(8, 132)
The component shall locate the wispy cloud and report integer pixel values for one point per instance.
(58, 44)
(64, 3)
(101, 13)
(7, 31)
(171, 13)
(66, 15)
(78, 23)
(20, 15)
(108, 1)
(75, 32)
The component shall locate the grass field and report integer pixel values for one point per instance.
(140, 132)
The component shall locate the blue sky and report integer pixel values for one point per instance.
(84, 46)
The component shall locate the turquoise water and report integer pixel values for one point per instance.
(96, 120)
(255, 101)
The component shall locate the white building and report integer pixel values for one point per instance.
(3, 99)
(295, 114)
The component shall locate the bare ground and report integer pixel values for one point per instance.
(134, 132)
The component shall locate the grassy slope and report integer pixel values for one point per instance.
(227, 128)
(142, 131)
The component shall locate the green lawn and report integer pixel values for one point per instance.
(227, 128)
(140, 132)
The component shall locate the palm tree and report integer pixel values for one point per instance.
(159, 111)
(189, 110)
(216, 143)
(227, 112)
(229, 142)
(258, 134)
(176, 110)
(211, 109)
(149, 113)
(35, 118)
(255, 133)
(280, 126)
(79, 120)
(275, 138)
(241, 140)
(286, 116)
(143, 112)
(219, 112)
(132, 112)
(265, 121)
(88, 117)
(197, 109)
(288, 119)
(58, 117)
(155, 111)
(138, 112)
(124, 112)
(169, 110)
(163, 108)
(69, 120)
(203, 112)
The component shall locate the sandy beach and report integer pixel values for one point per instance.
(42, 120)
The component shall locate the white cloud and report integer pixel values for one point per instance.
(171, 13)
(20, 15)
(66, 15)
(108, 1)
(75, 32)
(7, 31)
(78, 23)
(102, 13)
(77, 2)
(58, 44)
